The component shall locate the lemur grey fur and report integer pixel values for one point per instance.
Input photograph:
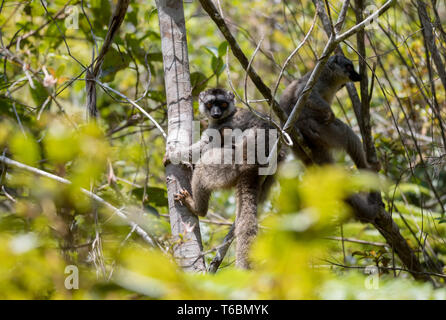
(211, 173)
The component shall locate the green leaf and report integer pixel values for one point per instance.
(155, 56)
(414, 188)
(114, 61)
(154, 195)
(25, 149)
(135, 46)
(157, 95)
(53, 36)
(359, 253)
(218, 66)
(39, 93)
(101, 13)
(133, 17)
(198, 82)
(151, 209)
(222, 48)
(212, 50)
(27, 10)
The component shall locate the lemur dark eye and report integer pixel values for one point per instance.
(208, 104)
(224, 104)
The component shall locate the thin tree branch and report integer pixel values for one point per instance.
(331, 45)
(421, 273)
(222, 250)
(428, 34)
(371, 243)
(144, 112)
(94, 70)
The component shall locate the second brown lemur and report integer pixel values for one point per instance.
(321, 130)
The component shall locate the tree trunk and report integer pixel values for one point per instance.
(184, 225)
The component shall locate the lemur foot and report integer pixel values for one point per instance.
(181, 196)
(185, 198)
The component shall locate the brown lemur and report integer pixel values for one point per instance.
(322, 131)
(223, 165)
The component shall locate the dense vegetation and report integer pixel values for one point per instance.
(309, 244)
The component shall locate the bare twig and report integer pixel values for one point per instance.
(144, 112)
(430, 40)
(222, 250)
(371, 243)
(420, 274)
(331, 45)
(287, 61)
(94, 70)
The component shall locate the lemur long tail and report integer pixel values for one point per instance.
(246, 219)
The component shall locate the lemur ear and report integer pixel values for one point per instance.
(332, 60)
(201, 95)
(231, 95)
(338, 59)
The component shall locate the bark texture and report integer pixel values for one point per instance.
(184, 225)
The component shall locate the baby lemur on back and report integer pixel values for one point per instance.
(212, 172)
(321, 130)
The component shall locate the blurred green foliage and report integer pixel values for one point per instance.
(46, 226)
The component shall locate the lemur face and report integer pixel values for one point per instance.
(216, 104)
(343, 68)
